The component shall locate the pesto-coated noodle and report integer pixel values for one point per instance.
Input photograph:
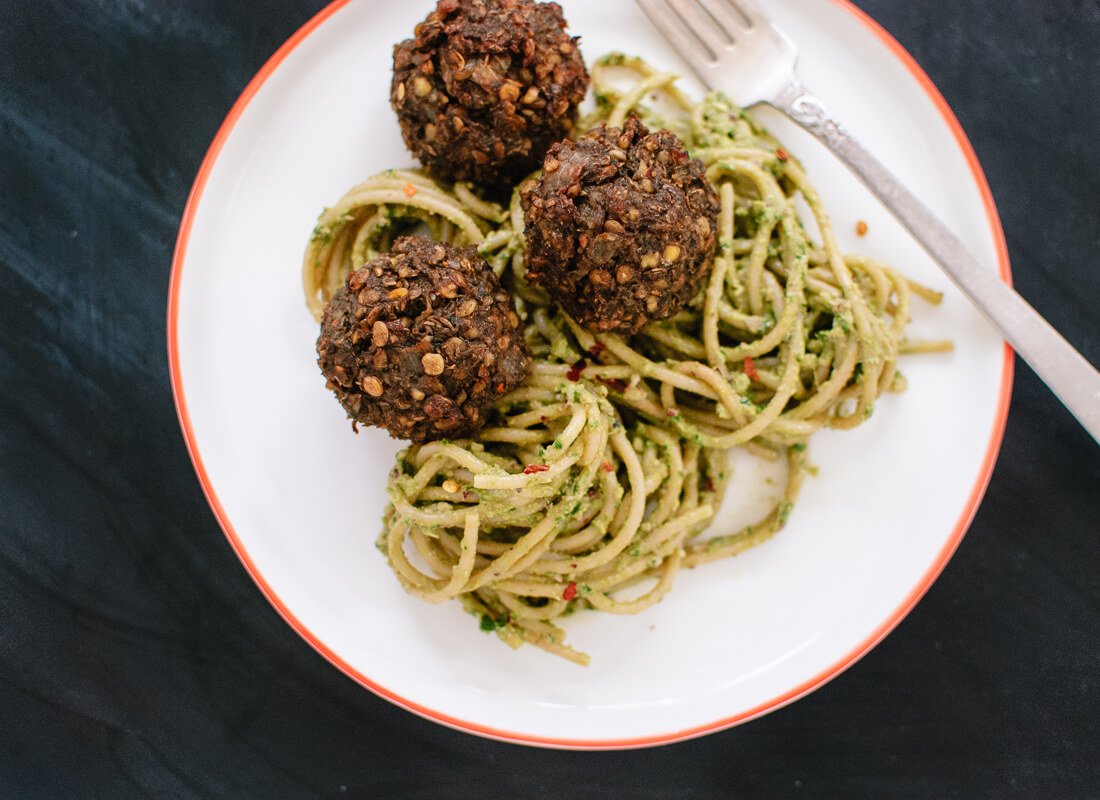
(594, 480)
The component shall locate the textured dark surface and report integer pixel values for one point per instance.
(138, 660)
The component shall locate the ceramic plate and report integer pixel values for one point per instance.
(300, 497)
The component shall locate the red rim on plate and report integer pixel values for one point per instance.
(790, 696)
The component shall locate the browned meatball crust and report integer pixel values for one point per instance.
(621, 227)
(485, 87)
(422, 341)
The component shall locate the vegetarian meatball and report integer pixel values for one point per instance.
(621, 226)
(486, 87)
(422, 341)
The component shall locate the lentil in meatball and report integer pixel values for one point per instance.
(620, 227)
(485, 87)
(422, 341)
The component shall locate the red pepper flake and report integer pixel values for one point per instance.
(709, 484)
(591, 493)
(614, 384)
(570, 591)
(606, 467)
(594, 351)
(782, 154)
(531, 469)
(574, 374)
(673, 412)
(410, 190)
(750, 370)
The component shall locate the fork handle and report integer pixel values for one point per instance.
(1075, 382)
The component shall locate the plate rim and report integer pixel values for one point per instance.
(877, 635)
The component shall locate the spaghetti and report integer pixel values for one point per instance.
(593, 481)
(555, 503)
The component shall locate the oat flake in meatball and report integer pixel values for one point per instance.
(485, 87)
(621, 227)
(422, 341)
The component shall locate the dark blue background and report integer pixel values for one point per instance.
(137, 658)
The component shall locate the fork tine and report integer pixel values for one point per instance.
(747, 11)
(678, 35)
(732, 22)
(702, 25)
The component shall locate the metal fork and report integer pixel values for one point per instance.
(734, 48)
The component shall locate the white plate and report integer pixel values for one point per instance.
(300, 497)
